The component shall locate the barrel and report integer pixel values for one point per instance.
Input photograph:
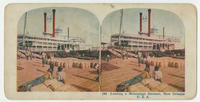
(156, 63)
(173, 64)
(159, 64)
(169, 64)
(59, 64)
(176, 65)
(152, 63)
(63, 64)
(47, 62)
(84, 65)
(73, 64)
(142, 61)
(80, 65)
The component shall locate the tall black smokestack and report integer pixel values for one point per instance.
(149, 22)
(45, 22)
(140, 21)
(54, 11)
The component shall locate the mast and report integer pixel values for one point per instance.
(120, 29)
(163, 37)
(100, 61)
(68, 33)
(25, 20)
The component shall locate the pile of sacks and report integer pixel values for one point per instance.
(53, 85)
(150, 85)
(173, 64)
(20, 54)
(36, 56)
(45, 82)
(77, 65)
(56, 63)
(152, 63)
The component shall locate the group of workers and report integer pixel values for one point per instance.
(157, 75)
(60, 74)
(146, 74)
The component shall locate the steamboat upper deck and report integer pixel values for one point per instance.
(39, 44)
(143, 42)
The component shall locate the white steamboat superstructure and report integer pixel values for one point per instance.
(144, 41)
(40, 44)
(49, 42)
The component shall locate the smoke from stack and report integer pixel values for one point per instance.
(54, 11)
(149, 22)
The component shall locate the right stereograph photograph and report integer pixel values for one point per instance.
(143, 50)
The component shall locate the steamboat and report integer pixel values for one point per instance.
(144, 41)
(49, 42)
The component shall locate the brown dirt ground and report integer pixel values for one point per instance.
(113, 73)
(129, 68)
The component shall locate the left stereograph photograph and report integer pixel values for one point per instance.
(58, 50)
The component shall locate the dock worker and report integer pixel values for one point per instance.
(60, 74)
(51, 68)
(123, 87)
(60, 67)
(123, 55)
(139, 58)
(98, 71)
(108, 58)
(43, 59)
(30, 53)
(96, 66)
(126, 54)
(157, 75)
(27, 55)
(147, 63)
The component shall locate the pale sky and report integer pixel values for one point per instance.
(80, 22)
(84, 24)
(159, 19)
